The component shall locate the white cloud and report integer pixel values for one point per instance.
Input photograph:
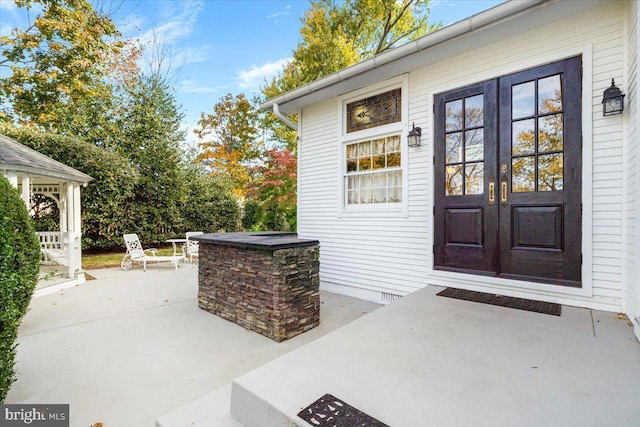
(193, 86)
(194, 55)
(284, 12)
(8, 6)
(254, 77)
(175, 25)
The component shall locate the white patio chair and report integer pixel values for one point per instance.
(135, 253)
(192, 246)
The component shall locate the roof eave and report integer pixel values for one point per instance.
(81, 178)
(465, 26)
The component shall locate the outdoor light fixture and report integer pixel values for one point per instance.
(413, 138)
(612, 101)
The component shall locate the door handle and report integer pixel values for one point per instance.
(503, 191)
(492, 191)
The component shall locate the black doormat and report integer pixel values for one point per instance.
(503, 301)
(330, 411)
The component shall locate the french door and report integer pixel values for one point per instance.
(508, 176)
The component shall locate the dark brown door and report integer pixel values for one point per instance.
(508, 176)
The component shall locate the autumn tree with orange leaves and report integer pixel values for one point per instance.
(230, 141)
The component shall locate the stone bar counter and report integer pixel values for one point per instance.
(267, 282)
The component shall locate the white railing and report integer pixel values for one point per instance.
(48, 240)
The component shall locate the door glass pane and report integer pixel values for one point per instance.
(550, 172)
(523, 174)
(474, 178)
(523, 102)
(550, 133)
(453, 180)
(549, 94)
(453, 112)
(453, 148)
(474, 145)
(523, 139)
(474, 111)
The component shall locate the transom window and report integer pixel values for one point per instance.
(373, 171)
(378, 110)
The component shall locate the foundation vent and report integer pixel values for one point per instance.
(388, 298)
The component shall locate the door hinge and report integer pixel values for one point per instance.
(434, 159)
(434, 249)
(434, 108)
(434, 210)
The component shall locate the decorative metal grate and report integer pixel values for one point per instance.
(378, 110)
(330, 411)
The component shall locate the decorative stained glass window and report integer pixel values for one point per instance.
(373, 171)
(377, 110)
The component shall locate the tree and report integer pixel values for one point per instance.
(209, 204)
(275, 191)
(230, 140)
(150, 136)
(335, 35)
(57, 67)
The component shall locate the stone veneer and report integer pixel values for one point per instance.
(265, 282)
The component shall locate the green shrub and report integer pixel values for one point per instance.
(19, 269)
(251, 215)
(208, 205)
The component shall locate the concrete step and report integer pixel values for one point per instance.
(211, 410)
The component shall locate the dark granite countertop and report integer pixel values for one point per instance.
(263, 240)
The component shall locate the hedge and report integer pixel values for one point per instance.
(19, 269)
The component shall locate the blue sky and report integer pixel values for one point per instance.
(221, 47)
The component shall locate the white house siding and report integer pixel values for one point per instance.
(631, 302)
(368, 255)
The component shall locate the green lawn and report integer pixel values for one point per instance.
(112, 259)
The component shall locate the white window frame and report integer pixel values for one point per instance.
(344, 138)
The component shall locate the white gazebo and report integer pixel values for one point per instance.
(34, 173)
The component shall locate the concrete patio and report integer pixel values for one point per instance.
(132, 347)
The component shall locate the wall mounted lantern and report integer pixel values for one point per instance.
(413, 138)
(612, 101)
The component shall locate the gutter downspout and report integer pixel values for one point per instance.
(282, 117)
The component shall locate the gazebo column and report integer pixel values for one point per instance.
(12, 176)
(77, 226)
(26, 191)
(71, 237)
